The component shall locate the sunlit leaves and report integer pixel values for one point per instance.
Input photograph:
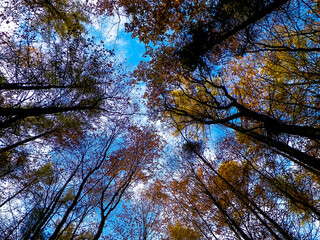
(249, 66)
(180, 232)
(63, 107)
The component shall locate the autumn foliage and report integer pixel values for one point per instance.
(233, 86)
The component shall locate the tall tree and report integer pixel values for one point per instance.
(81, 186)
(235, 196)
(138, 219)
(269, 94)
(194, 29)
(68, 154)
(54, 83)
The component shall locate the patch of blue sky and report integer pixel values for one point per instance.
(110, 31)
(128, 52)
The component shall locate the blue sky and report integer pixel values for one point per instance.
(129, 52)
(111, 31)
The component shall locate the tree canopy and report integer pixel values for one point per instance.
(233, 84)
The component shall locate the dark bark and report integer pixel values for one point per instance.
(27, 86)
(77, 197)
(234, 226)
(12, 146)
(113, 203)
(49, 211)
(303, 159)
(205, 41)
(252, 206)
(37, 111)
(275, 183)
(276, 126)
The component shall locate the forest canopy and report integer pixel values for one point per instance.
(231, 147)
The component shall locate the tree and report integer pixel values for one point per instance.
(68, 153)
(238, 196)
(64, 17)
(87, 184)
(138, 218)
(194, 30)
(260, 94)
(54, 83)
(251, 67)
